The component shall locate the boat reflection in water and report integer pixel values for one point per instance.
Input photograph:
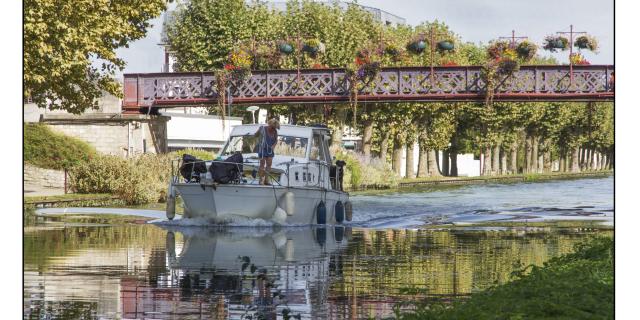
(241, 273)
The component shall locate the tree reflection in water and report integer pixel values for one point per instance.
(145, 271)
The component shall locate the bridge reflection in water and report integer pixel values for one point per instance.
(151, 272)
(530, 83)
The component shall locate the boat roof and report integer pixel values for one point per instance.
(285, 130)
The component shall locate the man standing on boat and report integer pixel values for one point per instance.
(268, 137)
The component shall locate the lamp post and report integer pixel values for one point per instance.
(253, 110)
(432, 48)
(513, 38)
(570, 33)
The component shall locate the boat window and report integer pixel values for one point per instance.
(285, 146)
(317, 148)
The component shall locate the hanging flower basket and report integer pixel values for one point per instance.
(586, 42)
(417, 46)
(368, 71)
(313, 47)
(285, 48)
(450, 64)
(392, 50)
(578, 59)
(526, 50)
(446, 45)
(507, 66)
(238, 65)
(318, 66)
(497, 49)
(555, 43)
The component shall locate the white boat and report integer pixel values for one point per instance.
(305, 185)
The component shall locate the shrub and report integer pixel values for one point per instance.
(362, 171)
(198, 153)
(50, 150)
(138, 180)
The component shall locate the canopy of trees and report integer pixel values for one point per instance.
(512, 137)
(69, 48)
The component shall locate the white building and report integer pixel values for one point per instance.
(198, 131)
(467, 165)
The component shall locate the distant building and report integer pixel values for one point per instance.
(384, 17)
(199, 131)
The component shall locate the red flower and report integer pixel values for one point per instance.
(450, 64)
(229, 67)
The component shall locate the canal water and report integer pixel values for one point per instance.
(401, 246)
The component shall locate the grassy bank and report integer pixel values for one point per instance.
(51, 150)
(73, 200)
(573, 286)
(452, 181)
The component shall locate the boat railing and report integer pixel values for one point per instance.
(203, 178)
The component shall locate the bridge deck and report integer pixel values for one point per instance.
(530, 83)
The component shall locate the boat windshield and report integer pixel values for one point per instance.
(248, 144)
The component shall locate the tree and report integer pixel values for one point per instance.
(65, 40)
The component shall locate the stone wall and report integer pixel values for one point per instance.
(43, 177)
(122, 137)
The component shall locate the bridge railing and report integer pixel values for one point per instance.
(391, 84)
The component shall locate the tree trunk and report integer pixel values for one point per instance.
(495, 158)
(384, 146)
(503, 161)
(527, 158)
(423, 156)
(445, 162)
(336, 134)
(486, 169)
(397, 156)
(367, 136)
(513, 166)
(601, 161)
(589, 162)
(534, 154)
(575, 160)
(453, 154)
(561, 160)
(409, 167)
(612, 161)
(454, 163)
(433, 164)
(540, 162)
(546, 167)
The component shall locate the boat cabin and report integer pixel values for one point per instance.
(302, 157)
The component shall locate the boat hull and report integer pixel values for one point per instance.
(224, 202)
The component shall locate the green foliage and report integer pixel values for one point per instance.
(362, 172)
(204, 32)
(573, 286)
(198, 153)
(64, 40)
(50, 150)
(138, 180)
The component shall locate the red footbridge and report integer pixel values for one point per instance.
(143, 91)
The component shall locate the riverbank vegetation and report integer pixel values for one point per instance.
(574, 286)
(47, 149)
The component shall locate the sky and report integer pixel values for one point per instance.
(473, 20)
